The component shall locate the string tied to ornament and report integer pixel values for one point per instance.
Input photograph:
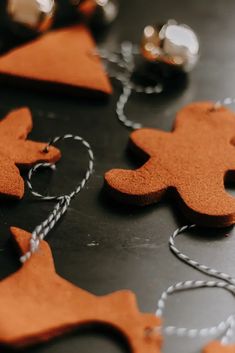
(224, 327)
(224, 281)
(63, 201)
(125, 60)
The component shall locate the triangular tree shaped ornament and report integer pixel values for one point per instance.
(61, 60)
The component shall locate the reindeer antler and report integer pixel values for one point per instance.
(37, 304)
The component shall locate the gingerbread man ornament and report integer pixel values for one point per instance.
(191, 163)
(37, 305)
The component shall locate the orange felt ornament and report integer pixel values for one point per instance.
(16, 151)
(217, 347)
(191, 163)
(62, 60)
(37, 305)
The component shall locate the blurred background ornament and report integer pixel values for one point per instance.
(173, 44)
(30, 17)
(100, 13)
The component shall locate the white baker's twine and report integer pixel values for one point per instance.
(224, 326)
(41, 231)
(125, 60)
(193, 263)
(228, 283)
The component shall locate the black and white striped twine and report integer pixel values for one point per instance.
(125, 60)
(41, 231)
(226, 282)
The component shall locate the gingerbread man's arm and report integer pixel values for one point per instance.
(149, 141)
(140, 187)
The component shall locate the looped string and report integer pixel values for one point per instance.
(41, 231)
(193, 263)
(224, 326)
(125, 60)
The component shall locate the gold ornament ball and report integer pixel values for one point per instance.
(30, 17)
(174, 44)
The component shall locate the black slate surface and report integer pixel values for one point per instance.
(131, 244)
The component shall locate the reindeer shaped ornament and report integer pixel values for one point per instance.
(37, 305)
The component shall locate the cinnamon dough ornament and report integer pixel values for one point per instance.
(217, 347)
(190, 163)
(16, 151)
(37, 304)
(62, 60)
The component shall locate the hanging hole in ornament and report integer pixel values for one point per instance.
(151, 332)
(46, 149)
(73, 171)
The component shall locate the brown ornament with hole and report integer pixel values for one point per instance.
(191, 164)
(37, 305)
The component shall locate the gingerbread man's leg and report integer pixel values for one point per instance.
(206, 202)
(140, 187)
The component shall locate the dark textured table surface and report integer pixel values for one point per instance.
(131, 244)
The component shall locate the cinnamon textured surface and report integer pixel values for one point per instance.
(16, 151)
(132, 251)
(191, 162)
(61, 60)
(217, 347)
(37, 304)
